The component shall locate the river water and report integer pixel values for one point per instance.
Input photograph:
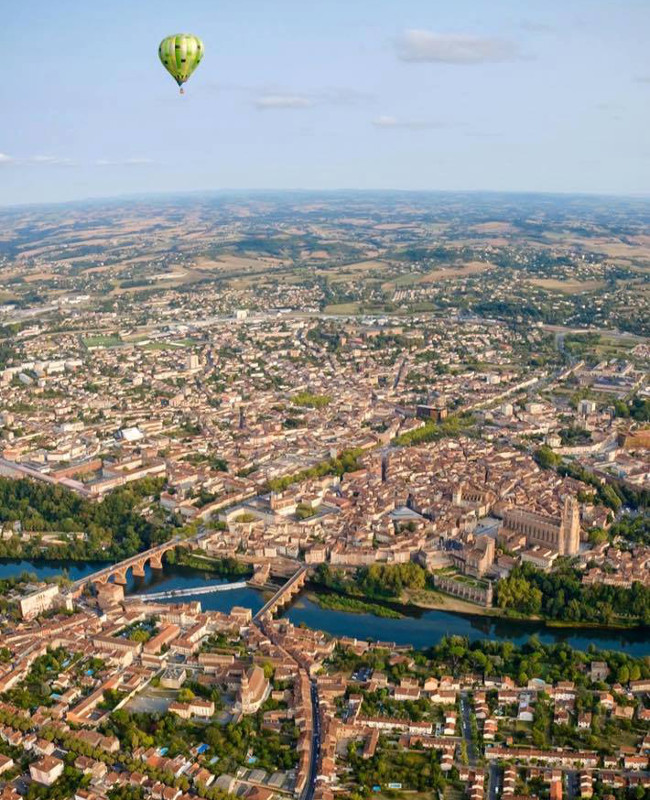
(420, 628)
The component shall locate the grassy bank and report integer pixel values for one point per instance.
(403, 588)
(224, 567)
(342, 602)
(431, 599)
(623, 626)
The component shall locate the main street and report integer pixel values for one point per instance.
(315, 744)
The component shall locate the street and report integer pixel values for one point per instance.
(467, 729)
(315, 745)
(494, 782)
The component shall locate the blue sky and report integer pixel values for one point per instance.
(542, 95)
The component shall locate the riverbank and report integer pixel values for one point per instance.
(416, 627)
(611, 626)
(431, 599)
(223, 567)
(341, 602)
(338, 599)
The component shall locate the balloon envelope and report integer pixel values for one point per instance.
(180, 55)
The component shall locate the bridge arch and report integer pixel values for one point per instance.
(117, 573)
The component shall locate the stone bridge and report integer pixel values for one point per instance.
(284, 594)
(136, 564)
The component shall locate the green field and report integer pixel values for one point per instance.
(156, 346)
(342, 308)
(103, 341)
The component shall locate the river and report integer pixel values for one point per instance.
(419, 628)
(172, 576)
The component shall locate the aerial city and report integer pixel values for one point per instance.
(323, 493)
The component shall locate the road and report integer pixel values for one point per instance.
(315, 745)
(494, 782)
(572, 783)
(466, 726)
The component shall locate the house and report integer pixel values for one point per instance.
(85, 794)
(623, 712)
(97, 769)
(443, 697)
(634, 762)
(46, 770)
(406, 693)
(490, 728)
(639, 687)
(598, 671)
(43, 748)
(449, 728)
(561, 716)
(586, 785)
(6, 763)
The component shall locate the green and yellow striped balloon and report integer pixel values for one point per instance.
(181, 54)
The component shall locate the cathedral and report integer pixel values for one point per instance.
(529, 528)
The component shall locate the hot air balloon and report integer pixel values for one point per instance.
(181, 54)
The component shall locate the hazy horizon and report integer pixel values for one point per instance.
(270, 191)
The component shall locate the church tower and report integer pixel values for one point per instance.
(570, 537)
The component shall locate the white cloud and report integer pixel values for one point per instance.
(449, 48)
(49, 160)
(274, 98)
(125, 162)
(282, 101)
(37, 160)
(40, 160)
(387, 122)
